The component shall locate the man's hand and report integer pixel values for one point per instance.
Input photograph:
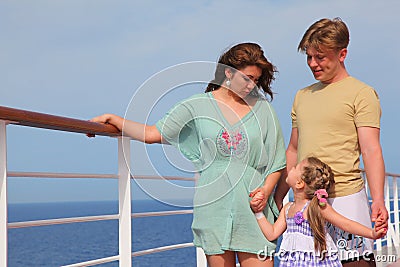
(379, 215)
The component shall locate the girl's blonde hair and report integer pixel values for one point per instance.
(317, 175)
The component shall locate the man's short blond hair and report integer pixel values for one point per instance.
(328, 33)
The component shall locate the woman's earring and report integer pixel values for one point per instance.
(228, 82)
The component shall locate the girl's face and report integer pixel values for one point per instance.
(294, 174)
(243, 81)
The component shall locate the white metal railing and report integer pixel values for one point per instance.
(124, 177)
(33, 119)
(123, 226)
(24, 224)
(392, 238)
(3, 194)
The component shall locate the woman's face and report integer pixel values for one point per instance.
(244, 80)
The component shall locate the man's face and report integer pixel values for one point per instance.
(327, 65)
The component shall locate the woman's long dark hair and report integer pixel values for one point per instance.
(239, 57)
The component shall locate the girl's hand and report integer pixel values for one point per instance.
(378, 232)
(381, 233)
(258, 201)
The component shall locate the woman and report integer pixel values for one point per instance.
(232, 136)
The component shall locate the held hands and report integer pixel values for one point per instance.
(258, 201)
(378, 233)
(379, 215)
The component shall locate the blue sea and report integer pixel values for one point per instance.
(58, 245)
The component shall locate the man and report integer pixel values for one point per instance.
(337, 119)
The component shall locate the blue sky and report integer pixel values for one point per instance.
(80, 59)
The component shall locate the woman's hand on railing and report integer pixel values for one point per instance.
(112, 119)
(105, 118)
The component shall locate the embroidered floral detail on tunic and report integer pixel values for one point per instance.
(232, 142)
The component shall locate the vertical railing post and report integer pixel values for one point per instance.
(3, 194)
(396, 206)
(124, 187)
(387, 204)
(201, 258)
(393, 236)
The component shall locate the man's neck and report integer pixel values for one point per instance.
(342, 74)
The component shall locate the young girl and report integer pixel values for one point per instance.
(305, 240)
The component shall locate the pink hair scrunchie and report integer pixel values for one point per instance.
(321, 195)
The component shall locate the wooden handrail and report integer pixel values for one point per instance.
(52, 122)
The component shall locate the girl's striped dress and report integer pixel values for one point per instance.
(297, 248)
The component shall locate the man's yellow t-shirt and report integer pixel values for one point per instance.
(327, 117)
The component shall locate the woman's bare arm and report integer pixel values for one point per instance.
(137, 131)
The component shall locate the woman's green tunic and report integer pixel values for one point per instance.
(232, 161)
